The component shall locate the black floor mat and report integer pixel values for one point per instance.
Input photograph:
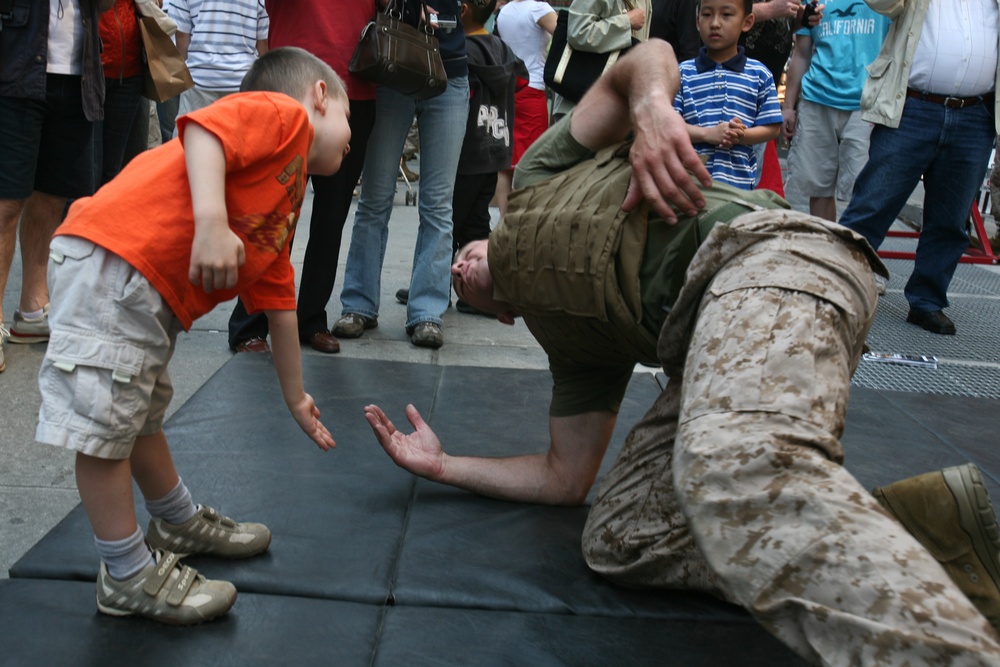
(371, 566)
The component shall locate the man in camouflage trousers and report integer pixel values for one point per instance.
(732, 483)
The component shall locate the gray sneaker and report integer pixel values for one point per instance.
(426, 334)
(166, 592)
(209, 533)
(352, 325)
(34, 330)
(4, 335)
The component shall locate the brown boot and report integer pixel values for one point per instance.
(950, 513)
(406, 173)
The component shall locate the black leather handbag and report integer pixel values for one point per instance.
(570, 72)
(396, 54)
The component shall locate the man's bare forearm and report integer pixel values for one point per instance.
(639, 86)
(526, 479)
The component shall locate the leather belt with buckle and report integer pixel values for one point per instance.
(947, 100)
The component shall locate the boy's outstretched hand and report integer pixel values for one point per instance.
(419, 452)
(306, 414)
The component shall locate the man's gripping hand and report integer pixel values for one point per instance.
(306, 415)
(419, 452)
(217, 253)
(663, 162)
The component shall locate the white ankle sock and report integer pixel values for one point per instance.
(176, 507)
(125, 558)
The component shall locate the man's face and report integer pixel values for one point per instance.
(470, 274)
(473, 283)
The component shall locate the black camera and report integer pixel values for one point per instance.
(808, 12)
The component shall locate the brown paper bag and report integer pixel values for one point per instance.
(165, 74)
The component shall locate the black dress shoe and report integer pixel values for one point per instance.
(469, 309)
(324, 341)
(934, 321)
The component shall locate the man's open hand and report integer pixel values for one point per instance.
(419, 452)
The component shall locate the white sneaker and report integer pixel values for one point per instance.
(4, 335)
(167, 592)
(34, 330)
(209, 533)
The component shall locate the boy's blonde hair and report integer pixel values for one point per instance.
(292, 71)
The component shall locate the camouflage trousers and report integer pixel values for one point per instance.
(732, 483)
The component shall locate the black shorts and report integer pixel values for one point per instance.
(47, 145)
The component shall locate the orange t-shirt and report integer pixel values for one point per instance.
(145, 215)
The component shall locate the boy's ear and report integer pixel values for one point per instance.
(748, 22)
(319, 94)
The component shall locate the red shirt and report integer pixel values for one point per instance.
(328, 29)
(122, 43)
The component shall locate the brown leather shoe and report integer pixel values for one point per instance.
(950, 513)
(324, 341)
(255, 344)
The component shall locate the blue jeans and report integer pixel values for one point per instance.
(166, 113)
(950, 148)
(441, 122)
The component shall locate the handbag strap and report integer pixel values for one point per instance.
(409, 12)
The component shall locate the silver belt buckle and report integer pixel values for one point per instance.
(954, 102)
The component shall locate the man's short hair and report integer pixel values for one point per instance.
(292, 71)
(480, 10)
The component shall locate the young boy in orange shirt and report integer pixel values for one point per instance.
(184, 227)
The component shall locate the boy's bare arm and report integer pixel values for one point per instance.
(715, 134)
(216, 252)
(798, 65)
(760, 134)
(183, 41)
(285, 350)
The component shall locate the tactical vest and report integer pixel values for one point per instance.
(565, 248)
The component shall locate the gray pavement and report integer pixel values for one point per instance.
(37, 486)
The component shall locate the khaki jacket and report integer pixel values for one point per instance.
(885, 91)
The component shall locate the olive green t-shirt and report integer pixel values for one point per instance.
(592, 361)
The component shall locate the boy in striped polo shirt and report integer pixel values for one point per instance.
(728, 100)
